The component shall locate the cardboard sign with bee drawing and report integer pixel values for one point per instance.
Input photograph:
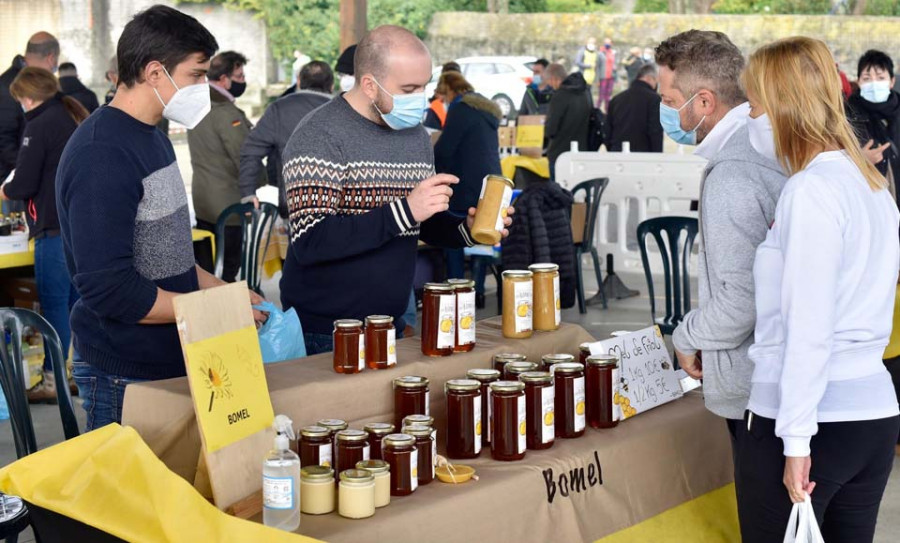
(646, 377)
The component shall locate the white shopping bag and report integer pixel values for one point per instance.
(802, 526)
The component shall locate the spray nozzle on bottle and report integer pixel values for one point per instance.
(285, 431)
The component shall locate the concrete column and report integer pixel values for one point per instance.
(354, 24)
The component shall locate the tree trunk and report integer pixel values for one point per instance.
(860, 7)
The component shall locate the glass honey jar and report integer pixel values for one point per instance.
(517, 304)
(512, 370)
(508, 420)
(540, 406)
(485, 377)
(426, 446)
(349, 346)
(550, 360)
(584, 351)
(499, 360)
(315, 446)
(465, 314)
(399, 451)
(569, 403)
(377, 431)
(381, 342)
(438, 319)
(411, 397)
(492, 209)
(547, 308)
(464, 424)
(602, 380)
(351, 446)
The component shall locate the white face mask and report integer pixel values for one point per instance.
(347, 82)
(761, 136)
(188, 106)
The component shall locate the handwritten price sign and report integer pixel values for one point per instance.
(646, 376)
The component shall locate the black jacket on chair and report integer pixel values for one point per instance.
(542, 232)
(634, 117)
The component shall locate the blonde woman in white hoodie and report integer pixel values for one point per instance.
(823, 413)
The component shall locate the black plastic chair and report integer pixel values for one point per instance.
(12, 377)
(676, 260)
(593, 192)
(256, 233)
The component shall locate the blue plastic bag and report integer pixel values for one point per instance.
(281, 337)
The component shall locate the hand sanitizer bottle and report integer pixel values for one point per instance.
(281, 480)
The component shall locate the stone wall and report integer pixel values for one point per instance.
(559, 35)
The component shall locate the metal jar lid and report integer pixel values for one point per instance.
(520, 367)
(398, 440)
(538, 377)
(462, 385)
(347, 323)
(418, 431)
(373, 466)
(352, 435)
(483, 374)
(585, 348)
(517, 274)
(315, 431)
(334, 425)
(602, 360)
(556, 358)
(439, 287)
(411, 381)
(506, 180)
(568, 367)
(507, 386)
(543, 268)
(379, 319)
(509, 357)
(379, 428)
(459, 284)
(426, 421)
(356, 476)
(317, 473)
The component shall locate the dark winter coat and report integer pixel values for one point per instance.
(634, 117)
(468, 148)
(879, 123)
(12, 122)
(72, 86)
(569, 116)
(542, 232)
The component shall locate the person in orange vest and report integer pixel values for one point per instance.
(436, 115)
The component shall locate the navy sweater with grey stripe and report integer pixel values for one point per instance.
(126, 231)
(353, 236)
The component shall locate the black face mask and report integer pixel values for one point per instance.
(237, 88)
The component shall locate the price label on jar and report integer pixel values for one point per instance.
(523, 296)
(556, 303)
(367, 452)
(392, 347)
(617, 405)
(414, 470)
(433, 450)
(490, 421)
(325, 455)
(466, 317)
(362, 352)
(476, 416)
(522, 427)
(504, 207)
(578, 398)
(428, 402)
(446, 337)
(548, 422)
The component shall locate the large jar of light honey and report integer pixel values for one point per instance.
(493, 206)
(547, 312)
(517, 304)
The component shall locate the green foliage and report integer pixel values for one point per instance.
(578, 6)
(805, 7)
(652, 6)
(883, 7)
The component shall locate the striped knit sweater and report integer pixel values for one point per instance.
(353, 236)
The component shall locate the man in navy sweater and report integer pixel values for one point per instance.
(361, 191)
(124, 214)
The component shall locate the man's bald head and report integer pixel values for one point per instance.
(42, 51)
(375, 52)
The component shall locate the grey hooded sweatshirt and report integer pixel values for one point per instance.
(737, 207)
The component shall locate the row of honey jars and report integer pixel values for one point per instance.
(356, 348)
(531, 301)
(317, 444)
(448, 317)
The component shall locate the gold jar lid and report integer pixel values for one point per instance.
(373, 466)
(507, 386)
(334, 425)
(439, 287)
(602, 360)
(356, 476)
(459, 284)
(545, 267)
(315, 431)
(462, 385)
(418, 420)
(398, 440)
(379, 319)
(317, 473)
(347, 323)
(536, 377)
(506, 180)
(418, 431)
(379, 428)
(483, 374)
(556, 358)
(509, 357)
(520, 367)
(517, 274)
(352, 435)
(568, 367)
(411, 381)
(585, 348)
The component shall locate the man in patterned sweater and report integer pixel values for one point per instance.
(361, 191)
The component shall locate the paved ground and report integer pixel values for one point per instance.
(623, 314)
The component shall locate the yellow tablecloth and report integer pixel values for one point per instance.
(540, 166)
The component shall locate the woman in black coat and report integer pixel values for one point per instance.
(469, 149)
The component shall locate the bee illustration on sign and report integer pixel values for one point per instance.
(215, 378)
(665, 365)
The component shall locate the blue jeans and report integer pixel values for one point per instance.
(103, 394)
(55, 290)
(324, 343)
(456, 267)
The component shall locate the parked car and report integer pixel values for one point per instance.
(502, 79)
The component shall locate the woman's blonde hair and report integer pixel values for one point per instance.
(454, 82)
(795, 81)
(40, 85)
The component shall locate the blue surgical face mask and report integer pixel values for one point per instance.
(876, 92)
(537, 80)
(408, 110)
(670, 119)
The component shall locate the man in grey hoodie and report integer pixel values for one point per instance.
(699, 80)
